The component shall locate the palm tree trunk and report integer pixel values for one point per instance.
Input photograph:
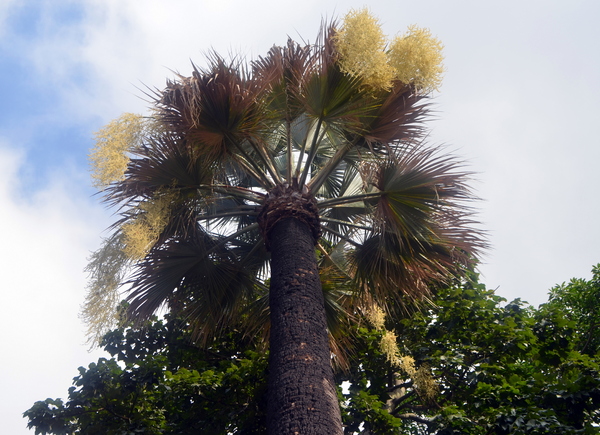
(302, 393)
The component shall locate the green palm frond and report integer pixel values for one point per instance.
(418, 187)
(162, 162)
(211, 287)
(421, 229)
(351, 213)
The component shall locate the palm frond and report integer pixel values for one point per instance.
(161, 162)
(219, 111)
(418, 187)
(422, 228)
(183, 277)
(398, 119)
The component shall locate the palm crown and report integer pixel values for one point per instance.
(302, 133)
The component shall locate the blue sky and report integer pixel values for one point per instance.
(519, 103)
(35, 116)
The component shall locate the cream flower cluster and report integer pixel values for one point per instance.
(109, 156)
(424, 382)
(414, 58)
(141, 233)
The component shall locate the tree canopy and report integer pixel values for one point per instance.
(473, 364)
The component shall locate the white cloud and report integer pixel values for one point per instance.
(99, 61)
(47, 235)
(524, 115)
(5, 10)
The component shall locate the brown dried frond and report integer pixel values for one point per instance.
(215, 109)
(286, 66)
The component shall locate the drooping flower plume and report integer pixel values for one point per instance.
(108, 157)
(424, 382)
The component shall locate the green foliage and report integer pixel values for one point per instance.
(500, 368)
(158, 382)
(579, 300)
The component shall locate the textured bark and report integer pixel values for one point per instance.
(302, 394)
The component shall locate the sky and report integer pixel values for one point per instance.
(520, 104)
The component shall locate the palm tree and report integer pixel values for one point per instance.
(250, 182)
